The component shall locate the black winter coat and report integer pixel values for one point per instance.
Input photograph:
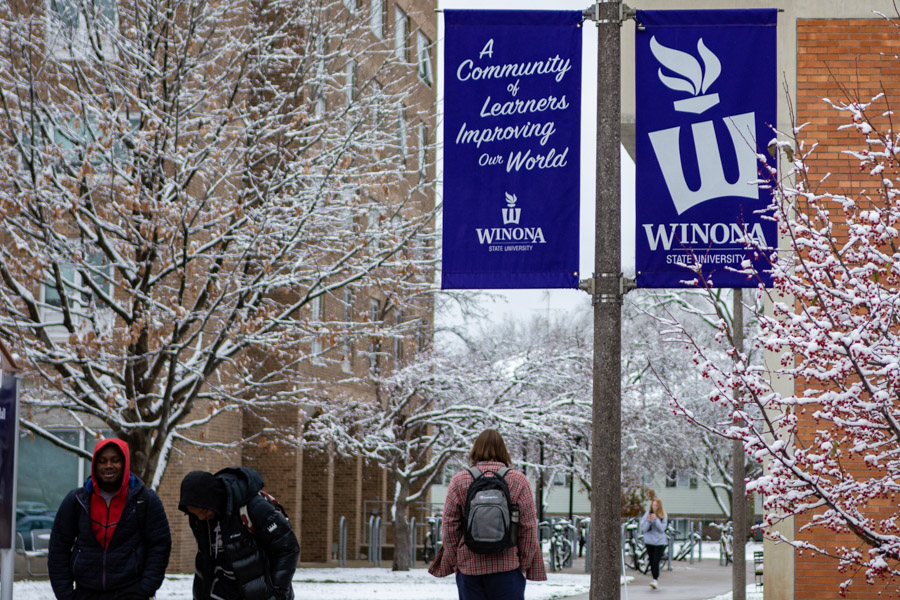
(263, 561)
(135, 556)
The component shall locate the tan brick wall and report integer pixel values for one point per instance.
(317, 488)
(843, 60)
(348, 501)
(316, 533)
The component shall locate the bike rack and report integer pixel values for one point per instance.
(587, 548)
(570, 533)
(342, 542)
(555, 529)
(375, 540)
(412, 542)
(552, 553)
(439, 523)
(670, 553)
(371, 541)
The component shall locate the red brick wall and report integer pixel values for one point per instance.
(843, 60)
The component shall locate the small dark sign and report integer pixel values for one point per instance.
(8, 414)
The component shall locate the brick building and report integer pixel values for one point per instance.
(316, 488)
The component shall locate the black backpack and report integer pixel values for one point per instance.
(490, 520)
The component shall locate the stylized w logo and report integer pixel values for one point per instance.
(511, 215)
(742, 130)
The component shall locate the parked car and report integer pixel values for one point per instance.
(27, 524)
(32, 508)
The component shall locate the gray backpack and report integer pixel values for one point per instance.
(491, 520)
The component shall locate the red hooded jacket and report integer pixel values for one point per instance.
(105, 518)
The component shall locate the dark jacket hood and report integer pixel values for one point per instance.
(203, 490)
(122, 445)
(241, 485)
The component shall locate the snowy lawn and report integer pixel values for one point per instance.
(353, 584)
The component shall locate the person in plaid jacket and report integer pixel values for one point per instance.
(489, 576)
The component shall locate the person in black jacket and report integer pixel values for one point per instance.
(246, 547)
(110, 539)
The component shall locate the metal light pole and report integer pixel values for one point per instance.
(606, 288)
(738, 491)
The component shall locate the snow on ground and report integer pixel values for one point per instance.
(353, 584)
(382, 583)
(751, 594)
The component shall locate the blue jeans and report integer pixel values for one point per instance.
(509, 585)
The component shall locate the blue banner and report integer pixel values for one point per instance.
(706, 96)
(8, 414)
(512, 127)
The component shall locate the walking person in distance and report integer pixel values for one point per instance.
(246, 548)
(489, 527)
(110, 538)
(653, 526)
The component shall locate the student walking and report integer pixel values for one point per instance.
(653, 526)
(246, 548)
(110, 538)
(489, 527)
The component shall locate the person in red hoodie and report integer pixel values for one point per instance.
(110, 539)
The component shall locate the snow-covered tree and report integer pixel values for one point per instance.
(830, 445)
(653, 436)
(412, 429)
(517, 379)
(182, 182)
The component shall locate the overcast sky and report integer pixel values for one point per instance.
(525, 303)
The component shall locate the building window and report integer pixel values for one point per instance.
(421, 338)
(376, 18)
(77, 138)
(348, 195)
(374, 345)
(672, 479)
(423, 149)
(321, 72)
(347, 343)
(401, 32)
(398, 339)
(47, 473)
(680, 479)
(350, 84)
(67, 29)
(80, 287)
(423, 47)
(402, 148)
(374, 226)
(316, 322)
(377, 105)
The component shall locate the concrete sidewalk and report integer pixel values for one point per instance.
(698, 581)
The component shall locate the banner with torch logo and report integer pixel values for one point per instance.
(706, 96)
